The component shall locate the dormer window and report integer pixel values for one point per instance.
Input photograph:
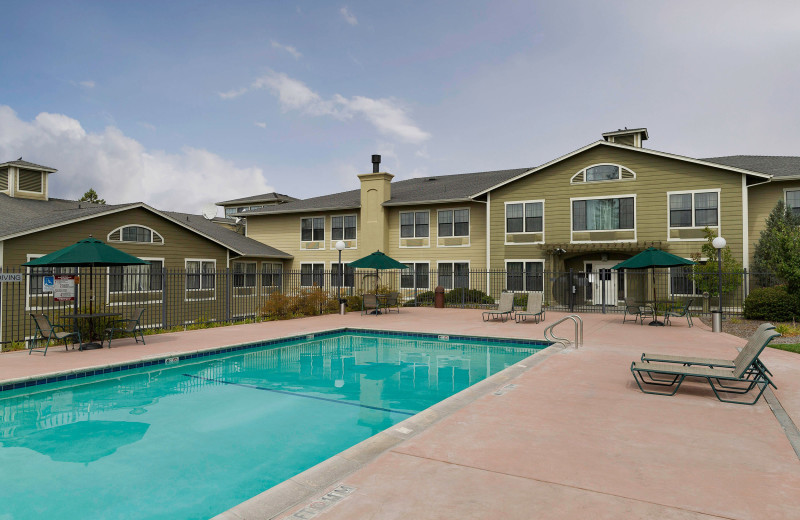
(29, 180)
(603, 172)
(138, 234)
(3, 179)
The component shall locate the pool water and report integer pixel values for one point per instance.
(194, 439)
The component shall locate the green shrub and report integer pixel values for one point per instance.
(772, 304)
(521, 300)
(424, 298)
(457, 296)
(354, 303)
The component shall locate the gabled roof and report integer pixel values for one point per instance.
(626, 147)
(25, 216)
(264, 197)
(29, 165)
(423, 190)
(780, 166)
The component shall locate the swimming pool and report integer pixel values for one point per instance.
(193, 438)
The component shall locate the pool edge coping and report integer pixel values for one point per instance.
(280, 499)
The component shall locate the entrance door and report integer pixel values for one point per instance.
(600, 274)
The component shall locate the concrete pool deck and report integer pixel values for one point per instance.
(573, 437)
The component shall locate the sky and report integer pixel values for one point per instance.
(182, 104)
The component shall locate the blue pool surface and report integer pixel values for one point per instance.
(193, 439)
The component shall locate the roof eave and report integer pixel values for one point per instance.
(37, 167)
(301, 210)
(422, 202)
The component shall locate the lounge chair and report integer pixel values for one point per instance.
(747, 370)
(47, 331)
(504, 308)
(534, 310)
(752, 343)
(639, 312)
(370, 302)
(127, 326)
(392, 302)
(679, 313)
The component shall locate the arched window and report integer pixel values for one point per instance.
(603, 172)
(135, 233)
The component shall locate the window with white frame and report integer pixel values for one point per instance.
(312, 274)
(244, 274)
(414, 224)
(343, 227)
(200, 274)
(312, 229)
(793, 201)
(36, 275)
(525, 217)
(416, 273)
(336, 278)
(271, 274)
(604, 214)
(525, 275)
(136, 278)
(135, 233)
(453, 223)
(453, 275)
(694, 209)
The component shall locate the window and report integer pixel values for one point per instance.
(681, 280)
(231, 212)
(793, 201)
(418, 270)
(29, 180)
(603, 214)
(271, 275)
(349, 276)
(454, 275)
(603, 172)
(414, 224)
(312, 229)
(136, 278)
(36, 275)
(244, 274)
(134, 233)
(454, 223)
(343, 228)
(525, 275)
(3, 179)
(694, 209)
(312, 274)
(524, 217)
(200, 274)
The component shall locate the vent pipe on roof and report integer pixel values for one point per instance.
(376, 163)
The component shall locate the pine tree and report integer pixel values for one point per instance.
(777, 252)
(91, 196)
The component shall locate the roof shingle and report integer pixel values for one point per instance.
(777, 165)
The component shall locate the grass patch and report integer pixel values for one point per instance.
(789, 347)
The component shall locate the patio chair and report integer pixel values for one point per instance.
(752, 343)
(639, 312)
(392, 302)
(47, 331)
(504, 308)
(747, 370)
(534, 309)
(127, 326)
(679, 313)
(370, 302)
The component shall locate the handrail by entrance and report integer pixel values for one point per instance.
(578, 331)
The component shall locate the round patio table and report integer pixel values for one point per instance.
(91, 317)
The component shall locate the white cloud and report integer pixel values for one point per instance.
(121, 169)
(84, 84)
(348, 16)
(386, 115)
(145, 124)
(260, 124)
(233, 93)
(288, 48)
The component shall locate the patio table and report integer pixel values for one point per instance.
(654, 305)
(91, 317)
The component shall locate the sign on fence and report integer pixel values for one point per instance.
(64, 288)
(10, 277)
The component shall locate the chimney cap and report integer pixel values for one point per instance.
(627, 131)
(376, 163)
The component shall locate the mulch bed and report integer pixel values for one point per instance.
(743, 328)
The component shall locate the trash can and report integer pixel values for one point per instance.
(716, 321)
(438, 297)
(342, 306)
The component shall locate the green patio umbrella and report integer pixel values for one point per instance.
(651, 258)
(377, 261)
(90, 253)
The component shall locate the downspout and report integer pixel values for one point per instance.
(745, 224)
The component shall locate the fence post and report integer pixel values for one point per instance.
(602, 273)
(571, 290)
(228, 294)
(164, 298)
(746, 283)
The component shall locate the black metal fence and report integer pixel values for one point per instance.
(181, 298)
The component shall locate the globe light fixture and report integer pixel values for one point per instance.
(719, 244)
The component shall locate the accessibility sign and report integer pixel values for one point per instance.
(10, 277)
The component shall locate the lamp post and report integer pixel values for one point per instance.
(340, 245)
(719, 244)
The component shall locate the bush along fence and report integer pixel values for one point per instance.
(190, 299)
